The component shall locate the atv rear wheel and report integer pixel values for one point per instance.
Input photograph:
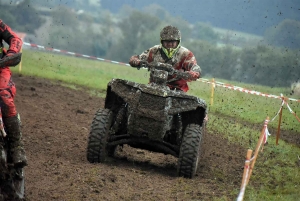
(97, 142)
(190, 151)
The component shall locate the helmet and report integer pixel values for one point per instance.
(170, 33)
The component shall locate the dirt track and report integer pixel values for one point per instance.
(55, 125)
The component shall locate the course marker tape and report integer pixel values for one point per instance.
(229, 86)
(291, 111)
(72, 53)
(236, 88)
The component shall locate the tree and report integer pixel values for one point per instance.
(205, 32)
(65, 16)
(134, 30)
(214, 61)
(285, 34)
(157, 10)
(8, 18)
(21, 17)
(269, 66)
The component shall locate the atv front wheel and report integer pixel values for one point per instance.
(13, 187)
(97, 142)
(190, 151)
(19, 183)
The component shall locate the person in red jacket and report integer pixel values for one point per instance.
(7, 94)
(171, 52)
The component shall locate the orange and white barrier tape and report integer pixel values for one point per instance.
(280, 109)
(267, 134)
(229, 86)
(291, 111)
(236, 88)
(72, 53)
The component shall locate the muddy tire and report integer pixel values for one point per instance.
(19, 184)
(13, 189)
(97, 142)
(189, 155)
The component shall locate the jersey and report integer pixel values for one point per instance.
(183, 60)
(7, 86)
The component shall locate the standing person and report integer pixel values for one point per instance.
(7, 94)
(171, 52)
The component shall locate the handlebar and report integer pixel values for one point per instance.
(12, 60)
(166, 67)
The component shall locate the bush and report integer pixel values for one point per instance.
(285, 34)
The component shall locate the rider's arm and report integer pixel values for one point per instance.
(190, 65)
(11, 38)
(147, 55)
(195, 72)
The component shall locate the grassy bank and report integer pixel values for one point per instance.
(276, 175)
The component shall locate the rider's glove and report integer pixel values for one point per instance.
(10, 59)
(9, 53)
(135, 61)
(193, 76)
(14, 47)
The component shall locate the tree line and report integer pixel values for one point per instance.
(273, 62)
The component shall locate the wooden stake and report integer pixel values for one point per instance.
(245, 175)
(20, 64)
(279, 122)
(246, 168)
(259, 143)
(278, 128)
(212, 92)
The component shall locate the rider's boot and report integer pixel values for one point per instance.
(12, 125)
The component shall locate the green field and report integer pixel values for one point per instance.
(253, 109)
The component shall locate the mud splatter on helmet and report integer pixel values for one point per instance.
(170, 33)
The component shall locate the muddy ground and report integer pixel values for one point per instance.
(55, 124)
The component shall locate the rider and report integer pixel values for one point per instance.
(7, 94)
(171, 52)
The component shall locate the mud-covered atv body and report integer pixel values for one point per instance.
(151, 117)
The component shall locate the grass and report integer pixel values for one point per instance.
(277, 165)
(78, 71)
(251, 108)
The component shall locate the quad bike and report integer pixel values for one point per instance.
(151, 117)
(12, 184)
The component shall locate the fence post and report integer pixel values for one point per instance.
(245, 175)
(20, 64)
(259, 143)
(212, 92)
(279, 122)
